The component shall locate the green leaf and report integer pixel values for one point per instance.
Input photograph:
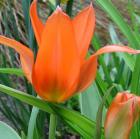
(69, 7)
(79, 123)
(6, 132)
(31, 38)
(12, 71)
(53, 2)
(26, 98)
(135, 83)
(90, 101)
(99, 116)
(26, 7)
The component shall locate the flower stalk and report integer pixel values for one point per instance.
(52, 126)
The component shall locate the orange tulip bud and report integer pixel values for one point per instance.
(122, 114)
(61, 69)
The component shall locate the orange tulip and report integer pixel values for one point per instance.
(122, 114)
(61, 69)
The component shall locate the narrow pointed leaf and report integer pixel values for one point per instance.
(12, 71)
(85, 125)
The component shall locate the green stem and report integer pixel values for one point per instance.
(52, 126)
(32, 122)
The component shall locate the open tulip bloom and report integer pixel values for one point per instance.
(122, 114)
(61, 68)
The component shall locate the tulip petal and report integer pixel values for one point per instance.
(84, 24)
(89, 68)
(87, 74)
(121, 115)
(38, 26)
(26, 55)
(57, 62)
(116, 48)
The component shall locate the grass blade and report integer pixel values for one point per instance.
(12, 71)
